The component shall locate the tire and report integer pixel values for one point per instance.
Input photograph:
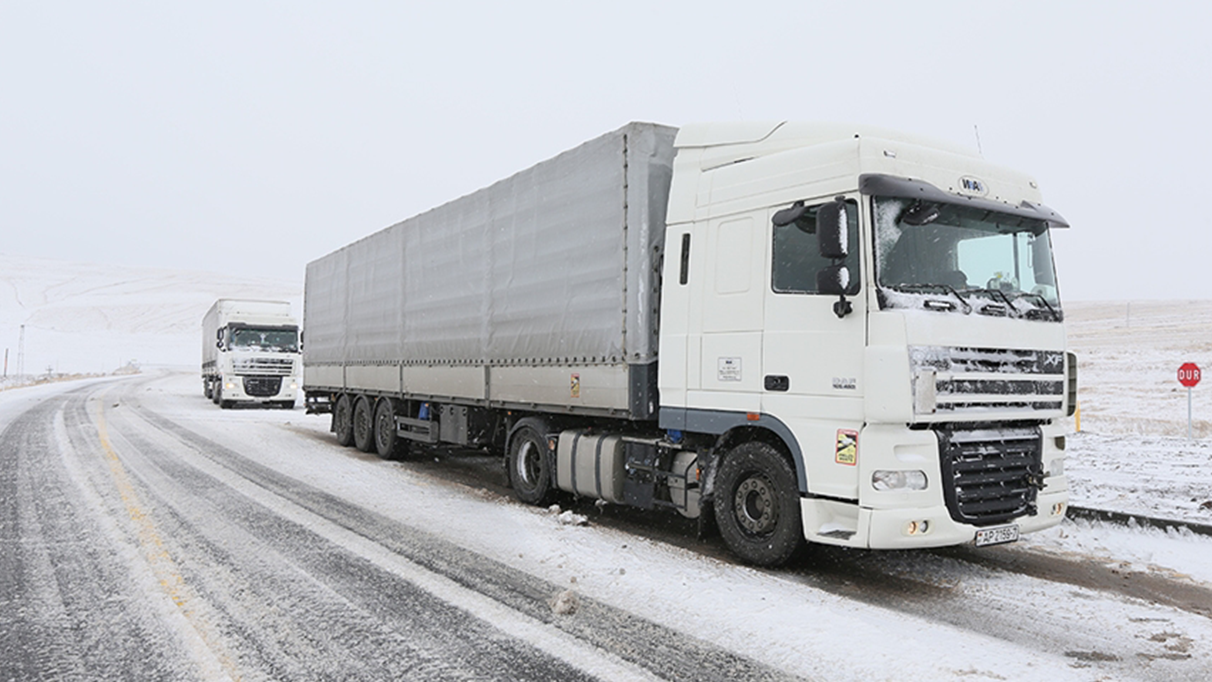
(216, 394)
(529, 464)
(387, 443)
(342, 420)
(757, 505)
(363, 425)
(206, 388)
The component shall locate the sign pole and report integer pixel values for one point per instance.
(1188, 413)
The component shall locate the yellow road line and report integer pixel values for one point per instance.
(162, 564)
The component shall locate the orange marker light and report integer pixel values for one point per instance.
(752, 416)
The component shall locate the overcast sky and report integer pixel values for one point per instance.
(252, 137)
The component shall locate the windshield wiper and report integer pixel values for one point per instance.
(1040, 297)
(924, 288)
(994, 293)
(998, 293)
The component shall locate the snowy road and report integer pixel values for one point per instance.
(146, 534)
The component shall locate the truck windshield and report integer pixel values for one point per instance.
(274, 340)
(948, 257)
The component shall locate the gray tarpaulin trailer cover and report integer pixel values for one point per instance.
(541, 290)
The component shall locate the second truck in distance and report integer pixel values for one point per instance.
(250, 353)
(806, 332)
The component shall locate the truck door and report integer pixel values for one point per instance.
(812, 360)
(727, 355)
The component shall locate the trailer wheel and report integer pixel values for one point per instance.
(387, 443)
(757, 504)
(342, 420)
(206, 389)
(363, 425)
(530, 465)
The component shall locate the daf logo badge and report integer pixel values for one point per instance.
(973, 185)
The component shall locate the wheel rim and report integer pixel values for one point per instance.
(343, 422)
(361, 423)
(754, 505)
(384, 430)
(528, 465)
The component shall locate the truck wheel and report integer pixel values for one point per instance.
(342, 420)
(206, 389)
(757, 505)
(530, 465)
(363, 425)
(216, 393)
(387, 443)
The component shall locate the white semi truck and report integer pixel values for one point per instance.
(250, 353)
(798, 331)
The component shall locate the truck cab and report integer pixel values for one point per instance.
(250, 354)
(882, 313)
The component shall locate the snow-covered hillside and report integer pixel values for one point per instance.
(94, 318)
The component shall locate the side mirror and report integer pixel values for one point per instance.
(833, 281)
(832, 230)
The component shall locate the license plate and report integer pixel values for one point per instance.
(996, 536)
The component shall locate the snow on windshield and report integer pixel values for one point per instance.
(952, 257)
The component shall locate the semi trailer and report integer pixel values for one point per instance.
(789, 331)
(250, 353)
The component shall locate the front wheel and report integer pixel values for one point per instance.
(757, 505)
(529, 465)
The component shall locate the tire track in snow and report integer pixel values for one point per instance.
(395, 548)
(70, 607)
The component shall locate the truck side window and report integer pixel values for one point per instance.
(797, 257)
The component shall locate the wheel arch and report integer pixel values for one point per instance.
(734, 428)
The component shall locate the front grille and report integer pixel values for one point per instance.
(991, 475)
(262, 387)
(275, 367)
(982, 380)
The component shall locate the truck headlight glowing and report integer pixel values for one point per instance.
(884, 479)
(917, 527)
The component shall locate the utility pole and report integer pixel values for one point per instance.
(21, 353)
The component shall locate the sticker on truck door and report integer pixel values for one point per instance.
(729, 369)
(847, 447)
(576, 386)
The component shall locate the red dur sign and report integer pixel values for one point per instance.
(1188, 374)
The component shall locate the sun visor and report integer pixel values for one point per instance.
(878, 184)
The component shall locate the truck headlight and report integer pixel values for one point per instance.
(884, 479)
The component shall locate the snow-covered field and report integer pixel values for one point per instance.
(1132, 453)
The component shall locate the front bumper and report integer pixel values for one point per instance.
(260, 389)
(942, 513)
